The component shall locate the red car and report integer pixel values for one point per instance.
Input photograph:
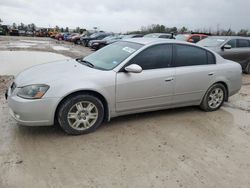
(59, 36)
(193, 38)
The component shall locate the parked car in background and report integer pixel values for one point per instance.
(41, 33)
(30, 33)
(4, 29)
(65, 35)
(96, 36)
(97, 44)
(134, 75)
(193, 37)
(52, 34)
(14, 32)
(21, 32)
(25, 33)
(234, 48)
(76, 39)
(160, 35)
(132, 36)
(69, 37)
(59, 36)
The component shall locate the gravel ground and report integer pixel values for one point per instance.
(182, 147)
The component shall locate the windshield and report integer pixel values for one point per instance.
(112, 55)
(94, 35)
(211, 42)
(181, 37)
(127, 36)
(109, 37)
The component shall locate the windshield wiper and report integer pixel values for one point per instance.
(85, 62)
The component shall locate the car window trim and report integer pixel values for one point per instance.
(169, 66)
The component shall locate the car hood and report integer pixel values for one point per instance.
(86, 38)
(53, 72)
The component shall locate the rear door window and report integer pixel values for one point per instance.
(190, 56)
(243, 43)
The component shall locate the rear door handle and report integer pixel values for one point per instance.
(211, 74)
(169, 79)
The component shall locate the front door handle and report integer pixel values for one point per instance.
(211, 74)
(169, 79)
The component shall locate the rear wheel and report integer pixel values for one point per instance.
(86, 43)
(80, 114)
(214, 98)
(247, 69)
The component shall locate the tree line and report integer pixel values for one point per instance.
(154, 28)
(157, 28)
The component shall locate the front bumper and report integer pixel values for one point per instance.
(39, 112)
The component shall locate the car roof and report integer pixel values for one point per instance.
(148, 41)
(229, 37)
(194, 34)
(158, 34)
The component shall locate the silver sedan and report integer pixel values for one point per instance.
(130, 76)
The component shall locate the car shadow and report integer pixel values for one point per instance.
(139, 119)
(56, 129)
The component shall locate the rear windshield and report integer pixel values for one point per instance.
(211, 42)
(182, 37)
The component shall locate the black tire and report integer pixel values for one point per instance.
(86, 43)
(247, 69)
(67, 104)
(204, 104)
(101, 46)
(78, 42)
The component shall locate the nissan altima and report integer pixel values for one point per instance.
(129, 76)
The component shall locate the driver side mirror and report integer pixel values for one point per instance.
(226, 46)
(134, 68)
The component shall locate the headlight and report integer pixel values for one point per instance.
(32, 91)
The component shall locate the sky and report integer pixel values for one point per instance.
(128, 15)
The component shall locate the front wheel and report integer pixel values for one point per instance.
(78, 42)
(80, 114)
(101, 46)
(214, 98)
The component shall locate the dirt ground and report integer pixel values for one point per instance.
(43, 44)
(183, 147)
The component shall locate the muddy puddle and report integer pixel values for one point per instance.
(13, 62)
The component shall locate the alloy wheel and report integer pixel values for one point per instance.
(82, 115)
(215, 98)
